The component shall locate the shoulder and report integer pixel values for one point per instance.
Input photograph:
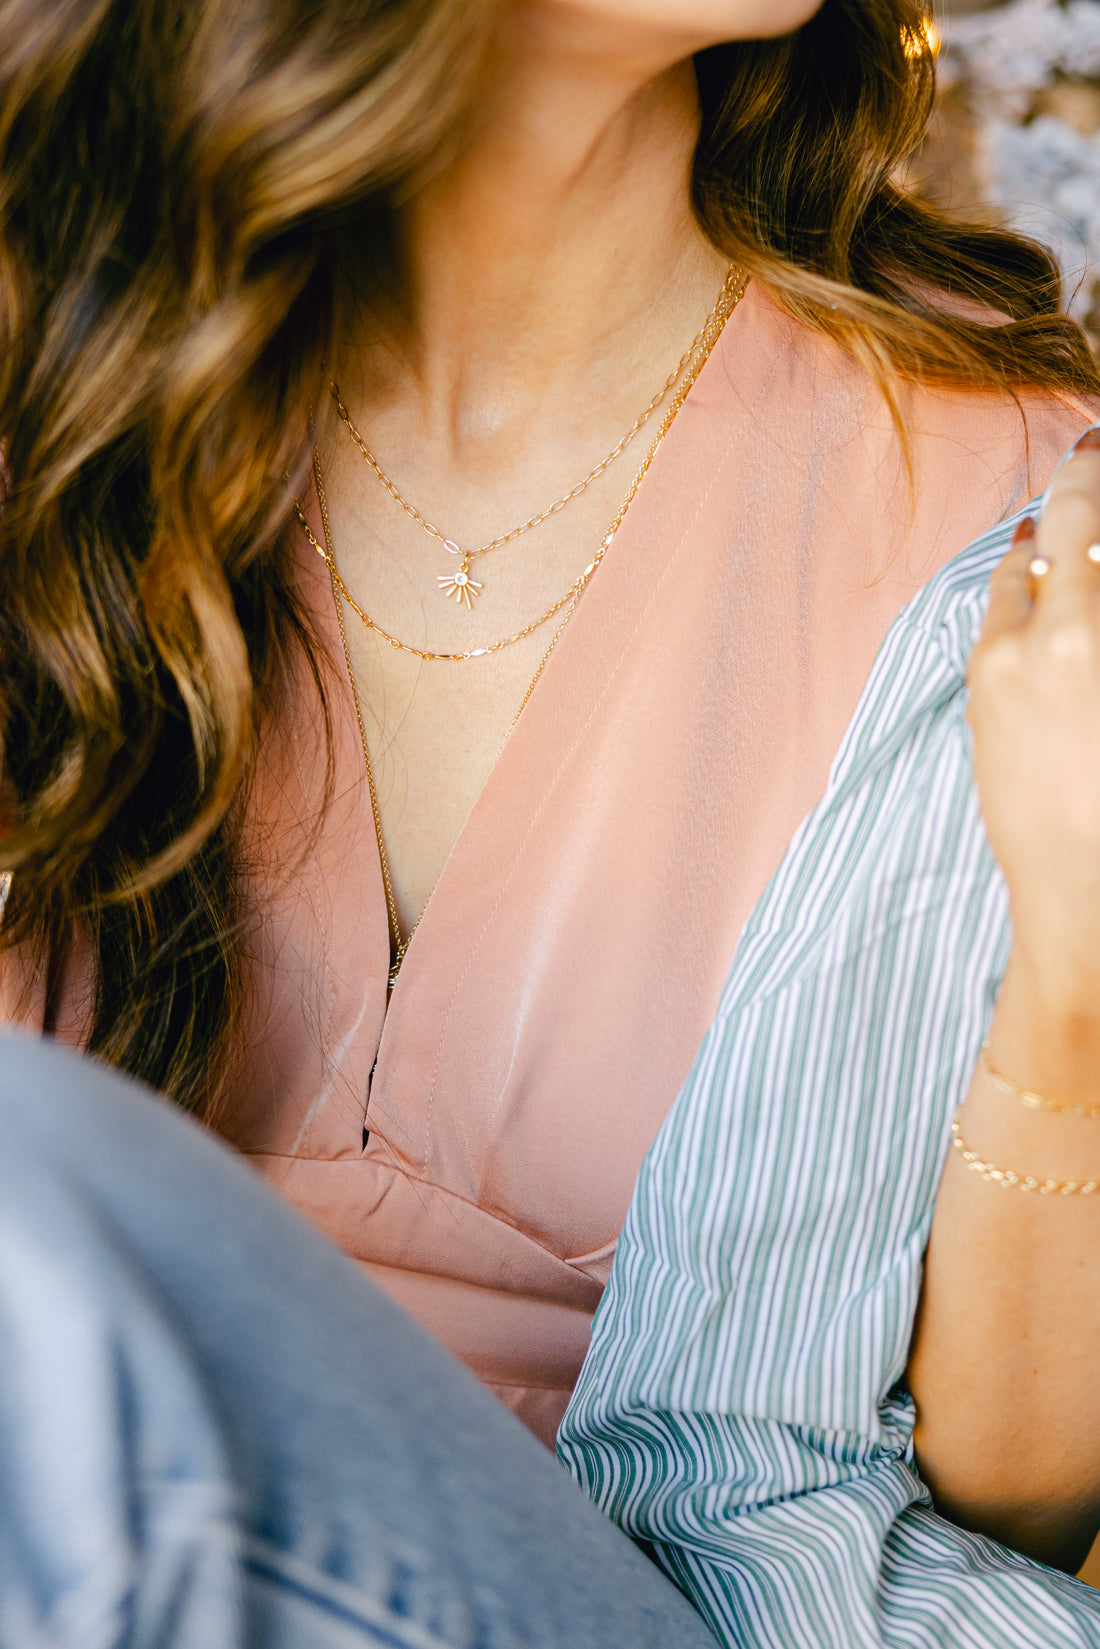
(942, 620)
(921, 665)
(978, 454)
(899, 786)
(1009, 445)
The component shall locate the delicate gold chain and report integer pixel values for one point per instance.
(727, 300)
(575, 589)
(1010, 1180)
(1033, 1101)
(399, 944)
(449, 658)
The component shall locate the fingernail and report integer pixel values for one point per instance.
(1025, 530)
(1089, 442)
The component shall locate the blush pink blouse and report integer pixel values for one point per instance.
(475, 1147)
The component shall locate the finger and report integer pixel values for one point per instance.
(1011, 587)
(1069, 525)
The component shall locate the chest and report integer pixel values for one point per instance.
(575, 945)
(443, 662)
(434, 731)
(608, 848)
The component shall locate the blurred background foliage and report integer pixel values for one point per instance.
(1016, 138)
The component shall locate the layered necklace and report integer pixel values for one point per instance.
(465, 589)
(460, 585)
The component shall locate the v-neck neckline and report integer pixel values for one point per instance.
(520, 766)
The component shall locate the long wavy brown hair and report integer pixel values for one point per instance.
(176, 180)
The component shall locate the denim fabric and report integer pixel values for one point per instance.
(215, 1433)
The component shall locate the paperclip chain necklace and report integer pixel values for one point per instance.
(399, 942)
(461, 585)
(575, 589)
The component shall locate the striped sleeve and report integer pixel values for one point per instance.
(743, 1407)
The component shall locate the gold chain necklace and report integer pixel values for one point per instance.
(575, 589)
(461, 585)
(399, 943)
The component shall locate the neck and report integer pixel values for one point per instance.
(557, 250)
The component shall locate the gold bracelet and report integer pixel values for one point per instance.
(1021, 1182)
(1035, 1102)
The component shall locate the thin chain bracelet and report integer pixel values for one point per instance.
(1009, 1179)
(1033, 1101)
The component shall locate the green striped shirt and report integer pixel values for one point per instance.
(743, 1405)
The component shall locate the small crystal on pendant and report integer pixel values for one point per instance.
(461, 585)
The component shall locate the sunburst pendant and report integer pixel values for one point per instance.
(460, 584)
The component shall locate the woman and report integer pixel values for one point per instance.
(213, 1431)
(496, 232)
(746, 1406)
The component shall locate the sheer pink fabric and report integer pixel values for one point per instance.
(575, 948)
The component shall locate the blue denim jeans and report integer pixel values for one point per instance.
(215, 1433)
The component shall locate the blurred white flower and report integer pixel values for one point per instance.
(1040, 171)
(1007, 54)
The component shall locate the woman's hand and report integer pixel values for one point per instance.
(1035, 712)
(1004, 1361)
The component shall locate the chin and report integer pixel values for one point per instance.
(708, 21)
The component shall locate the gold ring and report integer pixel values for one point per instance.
(1093, 554)
(1039, 566)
